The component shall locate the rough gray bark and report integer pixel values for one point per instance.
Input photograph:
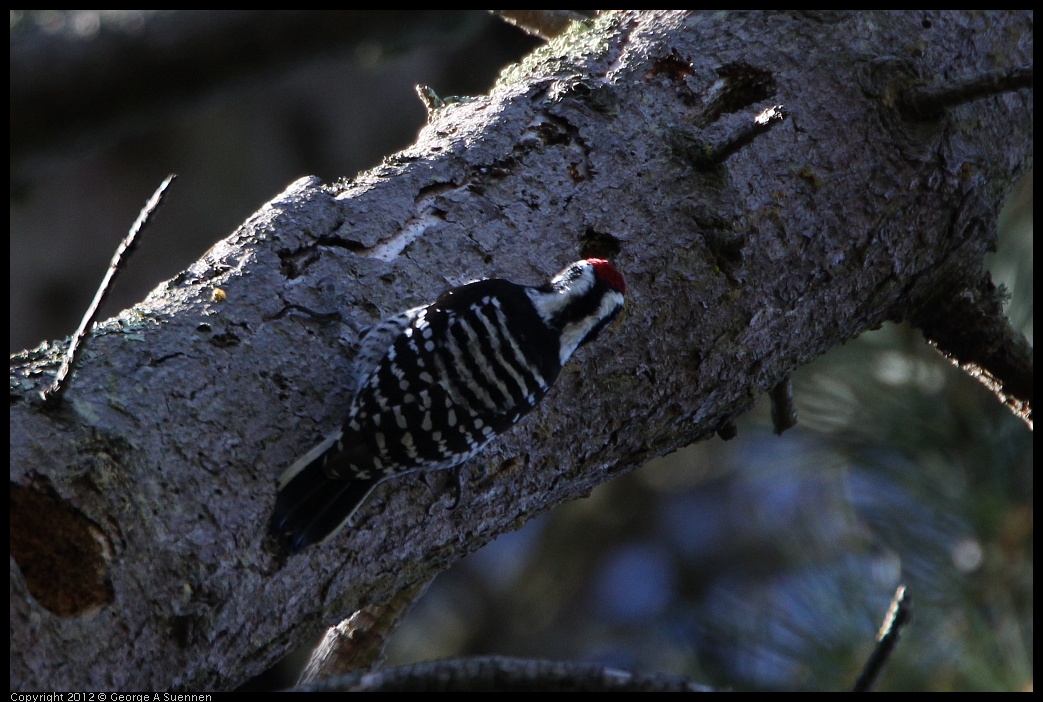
(151, 488)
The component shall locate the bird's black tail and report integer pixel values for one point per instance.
(311, 506)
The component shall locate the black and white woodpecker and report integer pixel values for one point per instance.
(436, 383)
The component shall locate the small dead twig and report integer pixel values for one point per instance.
(898, 615)
(716, 154)
(931, 102)
(545, 24)
(52, 396)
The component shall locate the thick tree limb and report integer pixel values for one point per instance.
(504, 674)
(932, 101)
(165, 454)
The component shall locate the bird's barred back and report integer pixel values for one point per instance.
(457, 375)
(435, 384)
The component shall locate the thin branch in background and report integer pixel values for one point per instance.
(716, 154)
(968, 326)
(504, 674)
(897, 617)
(52, 396)
(930, 102)
(545, 24)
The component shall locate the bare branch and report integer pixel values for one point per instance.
(188, 407)
(899, 614)
(53, 394)
(545, 24)
(707, 155)
(357, 643)
(931, 102)
(968, 327)
(503, 674)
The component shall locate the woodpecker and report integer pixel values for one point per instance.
(436, 383)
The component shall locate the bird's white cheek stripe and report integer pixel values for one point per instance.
(573, 334)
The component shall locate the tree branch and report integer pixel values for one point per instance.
(897, 618)
(932, 101)
(969, 328)
(191, 403)
(357, 643)
(545, 24)
(53, 394)
(504, 674)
